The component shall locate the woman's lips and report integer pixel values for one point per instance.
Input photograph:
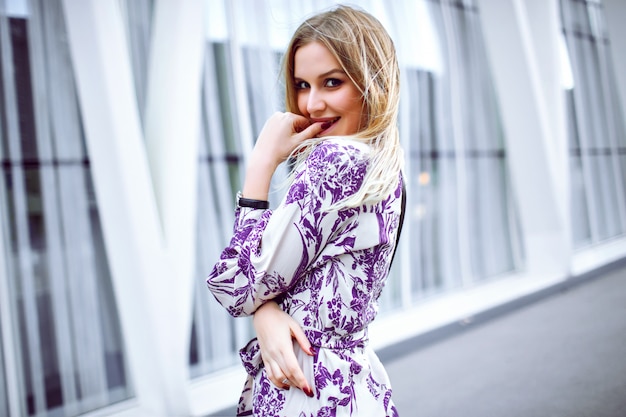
(328, 123)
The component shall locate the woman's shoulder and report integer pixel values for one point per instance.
(337, 164)
(334, 150)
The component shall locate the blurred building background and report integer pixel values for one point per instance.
(124, 130)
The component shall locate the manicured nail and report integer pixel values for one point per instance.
(308, 391)
(312, 351)
(326, 125)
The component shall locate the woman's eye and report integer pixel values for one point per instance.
(301, 85)
(333, 82)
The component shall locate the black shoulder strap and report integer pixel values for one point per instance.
(402, 210)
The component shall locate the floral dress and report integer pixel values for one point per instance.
(324, 267)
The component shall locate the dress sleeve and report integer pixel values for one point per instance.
(271, 250)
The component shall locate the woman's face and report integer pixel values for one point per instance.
(325, 93)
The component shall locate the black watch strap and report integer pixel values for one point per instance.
(251, 203)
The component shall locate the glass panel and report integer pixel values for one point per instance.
(4, 401)
(464, 221)
(216, 336)
(580, 214)
(596, 127)
(601, 170)
(138, 19)
(71, 357)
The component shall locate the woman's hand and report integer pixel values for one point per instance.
(282, 133)
(275, 330)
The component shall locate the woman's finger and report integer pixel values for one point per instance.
(294, 374)
(298, 334)
(298, 123)
(276, 375)
(288, 361)
(310, 131)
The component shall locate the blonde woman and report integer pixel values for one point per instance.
(313, 268)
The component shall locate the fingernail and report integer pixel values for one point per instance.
(308, 391)
(312, 351)
(326, 125)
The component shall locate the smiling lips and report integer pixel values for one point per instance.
(328, 122)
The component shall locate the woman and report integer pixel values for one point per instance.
(314, 267)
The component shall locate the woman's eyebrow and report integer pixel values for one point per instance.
(323, 75)
(332, 71)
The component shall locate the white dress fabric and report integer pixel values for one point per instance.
(324, 267)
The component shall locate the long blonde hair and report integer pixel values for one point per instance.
(367, 54)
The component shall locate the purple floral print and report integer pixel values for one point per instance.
(326, 268)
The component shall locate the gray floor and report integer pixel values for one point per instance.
(562, 356)
(561, 353)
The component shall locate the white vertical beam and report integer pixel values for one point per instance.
(172, 124)
(123, 186)
(534, 144)
(544, 24)
(615, 13)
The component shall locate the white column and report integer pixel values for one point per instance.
(544, 25)
(128, 208)
(615, 13)
(172, 122)
(524, 70)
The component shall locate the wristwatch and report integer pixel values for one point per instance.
(248, 202)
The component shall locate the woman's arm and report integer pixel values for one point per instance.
(282, 133)
(271, 250)
(275, 329)
(254, 267)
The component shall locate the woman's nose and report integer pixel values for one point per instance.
(315, 102)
